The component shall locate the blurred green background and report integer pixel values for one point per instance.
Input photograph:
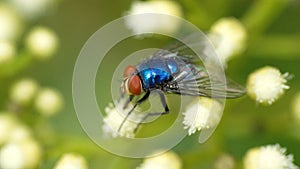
(274, 39)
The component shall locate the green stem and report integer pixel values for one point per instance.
(22, 61)
(262, 13)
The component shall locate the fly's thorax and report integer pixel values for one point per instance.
(157, 71)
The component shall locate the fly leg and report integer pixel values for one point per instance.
(166, 108)
(128, 101)
(145, 97)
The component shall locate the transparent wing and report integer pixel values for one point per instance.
(184, 49)
(197, 82)
(193, 79)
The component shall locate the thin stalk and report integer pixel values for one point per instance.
(262, 13)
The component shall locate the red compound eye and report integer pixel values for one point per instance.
(129, 70)
(134, 85)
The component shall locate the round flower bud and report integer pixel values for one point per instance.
(26, 154)
(48, 102)
(201, 115)
(7, 52)
(168, 160)
(141, 25)
(42, 42)
(71, 161)
(229, 37)
(268, 157)
(23, 91)
(10, 27)
(266, 84)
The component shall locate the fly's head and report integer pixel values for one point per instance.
(131, 84)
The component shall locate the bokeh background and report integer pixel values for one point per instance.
(274, 39)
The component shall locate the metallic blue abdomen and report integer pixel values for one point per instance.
(155, 71)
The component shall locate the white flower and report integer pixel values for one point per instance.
(162, 24)
(48, 102)
(23, 91)
(268, 157)
(7, 124)
(71, 161)
(42, 42)
(7, 52)
(296, 107)
(114, 118)
(18, 155)
(201, 114)
(32, 9)
(10, 24)
(266, 84)
(168, 160)
(229, 37)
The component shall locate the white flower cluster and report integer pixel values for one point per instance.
(150, 23)
(47, 101)
(23, 91)
(266, 84)
(18, 148)
(114, 118)
(268, 157)
(168, 160)
(42, 42)
(71, 161)
(229, 37)
(201, 114)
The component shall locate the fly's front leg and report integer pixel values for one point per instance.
(145, 97)
(164, 103)
(128, 101)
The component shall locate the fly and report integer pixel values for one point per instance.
(172, 71)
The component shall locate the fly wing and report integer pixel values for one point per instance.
(195, 81)
(184, 49)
